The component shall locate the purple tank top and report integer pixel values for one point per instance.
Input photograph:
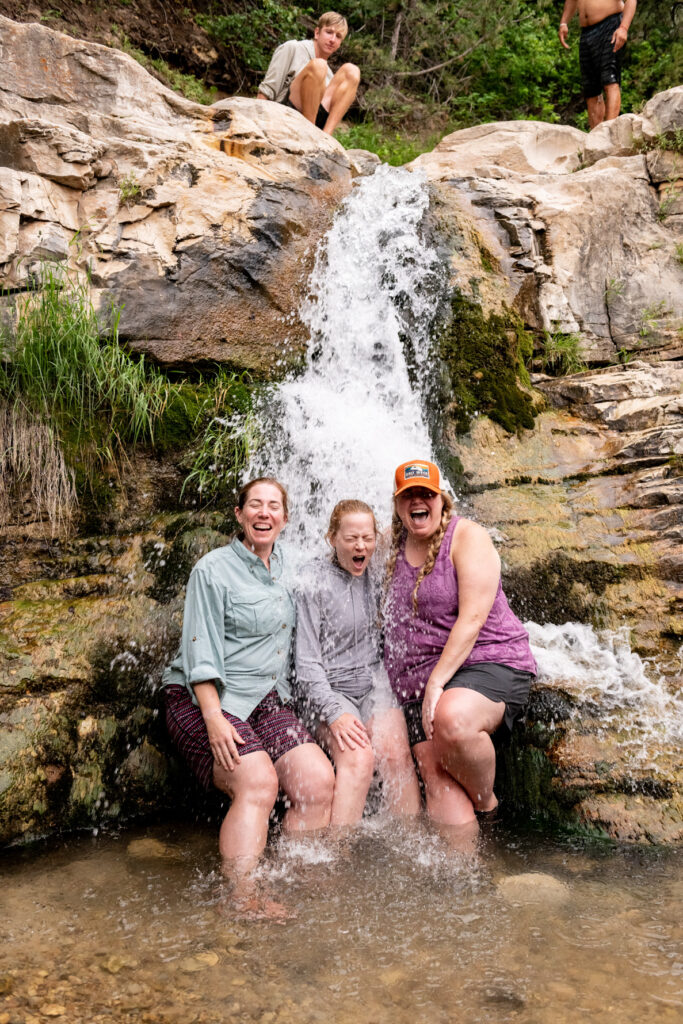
(413, 643)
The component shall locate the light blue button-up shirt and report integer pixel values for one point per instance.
(237, 627)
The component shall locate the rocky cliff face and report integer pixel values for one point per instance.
(581, 235)
(200, 222)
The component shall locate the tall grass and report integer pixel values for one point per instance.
(75, 401)
(224, 448)
(32, 461)
(69, 371)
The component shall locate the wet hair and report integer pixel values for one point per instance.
(397, 533)
(332, 18)
(348, 506)
(246, 488)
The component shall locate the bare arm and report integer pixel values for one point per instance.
(477, 566)
(621, 35)
(568, 12)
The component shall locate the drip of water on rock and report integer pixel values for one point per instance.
(340, 428)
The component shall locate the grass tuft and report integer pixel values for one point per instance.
(562, 354)
(32, 461)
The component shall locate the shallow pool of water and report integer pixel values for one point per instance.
(390, 926)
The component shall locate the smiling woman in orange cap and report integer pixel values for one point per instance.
(458, 658)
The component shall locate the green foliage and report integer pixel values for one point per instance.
(73, 377)
(251, 33)
(483, 360)
(671, 140)
(221, 452)
(98, 396)
(678, 253)
(650, 318)
(562, 354)
(187, 85)
(390, 145)
(129, 190)
(433, 67)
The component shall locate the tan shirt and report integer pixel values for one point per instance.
(288, 60)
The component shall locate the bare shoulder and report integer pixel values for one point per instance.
(471, 541)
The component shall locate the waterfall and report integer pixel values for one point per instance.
(340, 428)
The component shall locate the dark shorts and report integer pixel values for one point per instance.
(600, 65)
(499, 683)
(271, 726)
(320, 118)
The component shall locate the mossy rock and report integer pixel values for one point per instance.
(485, 360)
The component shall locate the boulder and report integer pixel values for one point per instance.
(569, 229)
(199, 222)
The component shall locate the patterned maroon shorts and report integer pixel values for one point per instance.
(271, 727)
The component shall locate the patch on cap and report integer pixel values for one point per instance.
(416, 471)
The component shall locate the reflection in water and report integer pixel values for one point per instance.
(388, 927)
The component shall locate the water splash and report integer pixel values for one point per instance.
(339, 430)
(605, 676)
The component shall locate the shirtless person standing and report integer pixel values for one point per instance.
(298, 75)
(604, 30)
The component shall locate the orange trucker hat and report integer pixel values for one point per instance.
(417, 473)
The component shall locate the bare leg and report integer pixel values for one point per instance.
(306, 90)
(307, 778)
(612, 101)
(447, 801)
(463, 723)
(340, 94)
(389, 738)
(252, 787)
(354, 771)
(596, 111)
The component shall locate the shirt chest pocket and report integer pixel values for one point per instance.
(255, 616)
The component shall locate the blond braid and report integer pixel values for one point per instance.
(429, 561)
(397, 530)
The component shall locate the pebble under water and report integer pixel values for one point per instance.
(390, 925)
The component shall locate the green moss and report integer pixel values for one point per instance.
(483, 358)
(561, 589)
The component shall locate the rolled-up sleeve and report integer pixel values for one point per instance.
(312, 685)
(202, 647)
(276, 75)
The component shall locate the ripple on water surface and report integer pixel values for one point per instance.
(391, 925)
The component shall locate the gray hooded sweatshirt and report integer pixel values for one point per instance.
(337, 636)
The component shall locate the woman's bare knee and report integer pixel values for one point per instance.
(360, 763)
(256, 784)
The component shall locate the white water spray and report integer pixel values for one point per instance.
(341, 428)
(604, 675)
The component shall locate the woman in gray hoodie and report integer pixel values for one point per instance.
(341, 681)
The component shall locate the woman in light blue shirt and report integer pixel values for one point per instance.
(227, 691)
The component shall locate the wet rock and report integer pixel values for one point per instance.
(200, 222)
(150, 849)
(533, 887)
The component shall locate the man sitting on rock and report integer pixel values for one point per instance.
(604, 30)
(298, 75)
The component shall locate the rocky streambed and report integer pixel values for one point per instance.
(202, 222)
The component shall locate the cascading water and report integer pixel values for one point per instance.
(340, 429)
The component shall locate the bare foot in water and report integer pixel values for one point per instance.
(253, 906)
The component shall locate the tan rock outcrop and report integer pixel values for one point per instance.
(578, 232)
(200, 222)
